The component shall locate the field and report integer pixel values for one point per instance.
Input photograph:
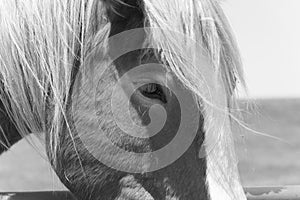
(268, 161)
(263, 160)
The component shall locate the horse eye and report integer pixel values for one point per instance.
(153, 91)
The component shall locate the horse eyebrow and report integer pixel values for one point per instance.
(123, 10)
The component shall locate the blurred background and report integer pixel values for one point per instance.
(268, 35)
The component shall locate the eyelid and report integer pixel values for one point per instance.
(164, 86)
(141, 82)
(150, 87)
(160, 80)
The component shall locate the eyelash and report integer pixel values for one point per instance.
(153, 91)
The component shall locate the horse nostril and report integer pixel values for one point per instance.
(132, 189)
(153, 185)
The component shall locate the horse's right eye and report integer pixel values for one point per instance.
(153, 91)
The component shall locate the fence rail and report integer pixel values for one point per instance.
(253, 193)
(273, 193)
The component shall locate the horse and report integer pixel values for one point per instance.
(134, 99)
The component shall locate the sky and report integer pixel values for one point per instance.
(268, 34)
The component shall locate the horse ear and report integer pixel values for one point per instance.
(9, 133)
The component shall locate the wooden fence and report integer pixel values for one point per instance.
(253, 193)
